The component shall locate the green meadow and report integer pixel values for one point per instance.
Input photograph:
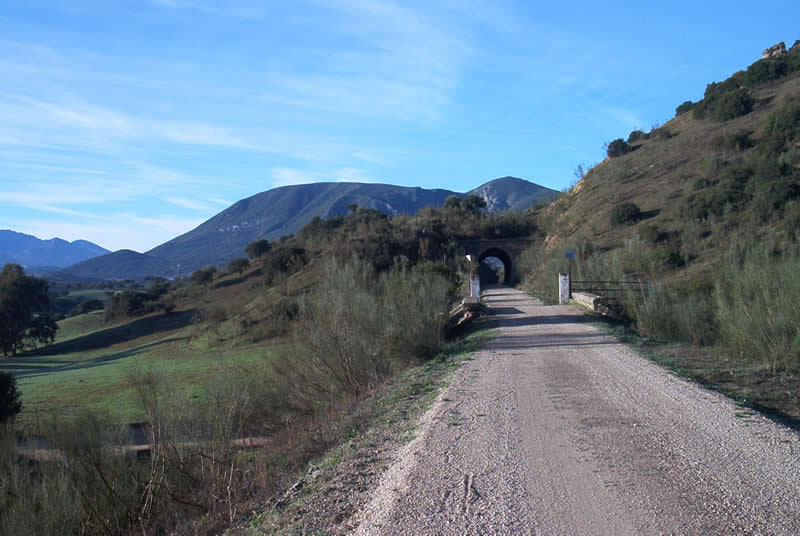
(92, 366)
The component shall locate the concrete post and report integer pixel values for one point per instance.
(563, 289)
(475, 286)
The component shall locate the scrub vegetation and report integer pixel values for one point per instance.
(241, 375)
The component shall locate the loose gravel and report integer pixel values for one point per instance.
(556, 428)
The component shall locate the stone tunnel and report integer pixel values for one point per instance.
(508, 251)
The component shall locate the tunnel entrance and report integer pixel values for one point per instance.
(494, 267)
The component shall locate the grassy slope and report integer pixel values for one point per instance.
(657, 176)
(90, 364)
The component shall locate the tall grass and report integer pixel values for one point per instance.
(758, 308)
(358, 328)
(753, 309)
(661, 313)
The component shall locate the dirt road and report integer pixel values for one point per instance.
(554, 428)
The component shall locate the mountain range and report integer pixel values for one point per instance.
(284, 211)
(36, 254)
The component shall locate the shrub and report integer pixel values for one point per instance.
(756, 304)
(636, 135)
(732, 105)
(618, 147)
(663, 314)
(357, 327)
(10, 404)
(625, 213)
(282, 262)
(683, 108)
(783, 125)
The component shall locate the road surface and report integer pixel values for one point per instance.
(555, 428)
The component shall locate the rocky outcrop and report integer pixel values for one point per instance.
(795, 46)
(775, 51)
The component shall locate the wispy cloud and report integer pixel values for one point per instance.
(189, 203)
(289, 176)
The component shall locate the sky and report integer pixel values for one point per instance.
(128, 123)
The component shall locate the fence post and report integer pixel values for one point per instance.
(563, 288)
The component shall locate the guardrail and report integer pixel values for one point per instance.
(610, 289)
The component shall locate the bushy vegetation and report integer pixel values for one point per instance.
(756, 302)
(342, 338)
(617, 148)
(686, 106)
(637, 135)
(10, 403)
(360, 327)
(625, 213)
(130, 303)
(25, 320)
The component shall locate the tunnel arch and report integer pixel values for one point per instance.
(504, 257)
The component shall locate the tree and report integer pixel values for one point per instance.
(453, 202)
(618, 147)
(24, 310)
(238, 265)
(258, 248)
(10, 404)
(204, 275)
(474, 203)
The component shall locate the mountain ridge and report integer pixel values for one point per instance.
(31, 251)
(284, 211)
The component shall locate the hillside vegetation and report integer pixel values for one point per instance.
(706, 210)
(284, 349)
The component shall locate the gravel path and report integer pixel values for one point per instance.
(555, 428)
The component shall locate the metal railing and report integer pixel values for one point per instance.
(610, 289)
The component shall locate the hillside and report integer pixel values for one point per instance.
(284, 211)
(702, 183)
(31, 251)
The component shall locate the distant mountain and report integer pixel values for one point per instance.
(284, 211)
(30, 251)
(122, 264)
(511, 193)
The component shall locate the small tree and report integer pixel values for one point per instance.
(258, 248)
(625, 213)
(474, 204)
(683, 108)
(453, 202)
(238, 265)
(618, 147)
(10, 404)
(204, 275)
(24, 310)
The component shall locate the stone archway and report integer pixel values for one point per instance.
(504, 257)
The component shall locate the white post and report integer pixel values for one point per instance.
(563, 289)
(475, 286)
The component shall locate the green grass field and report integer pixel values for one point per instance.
(77, 326)
(91, 366)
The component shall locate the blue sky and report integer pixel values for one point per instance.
(128, 123)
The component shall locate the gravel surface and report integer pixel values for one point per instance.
(555, 428)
